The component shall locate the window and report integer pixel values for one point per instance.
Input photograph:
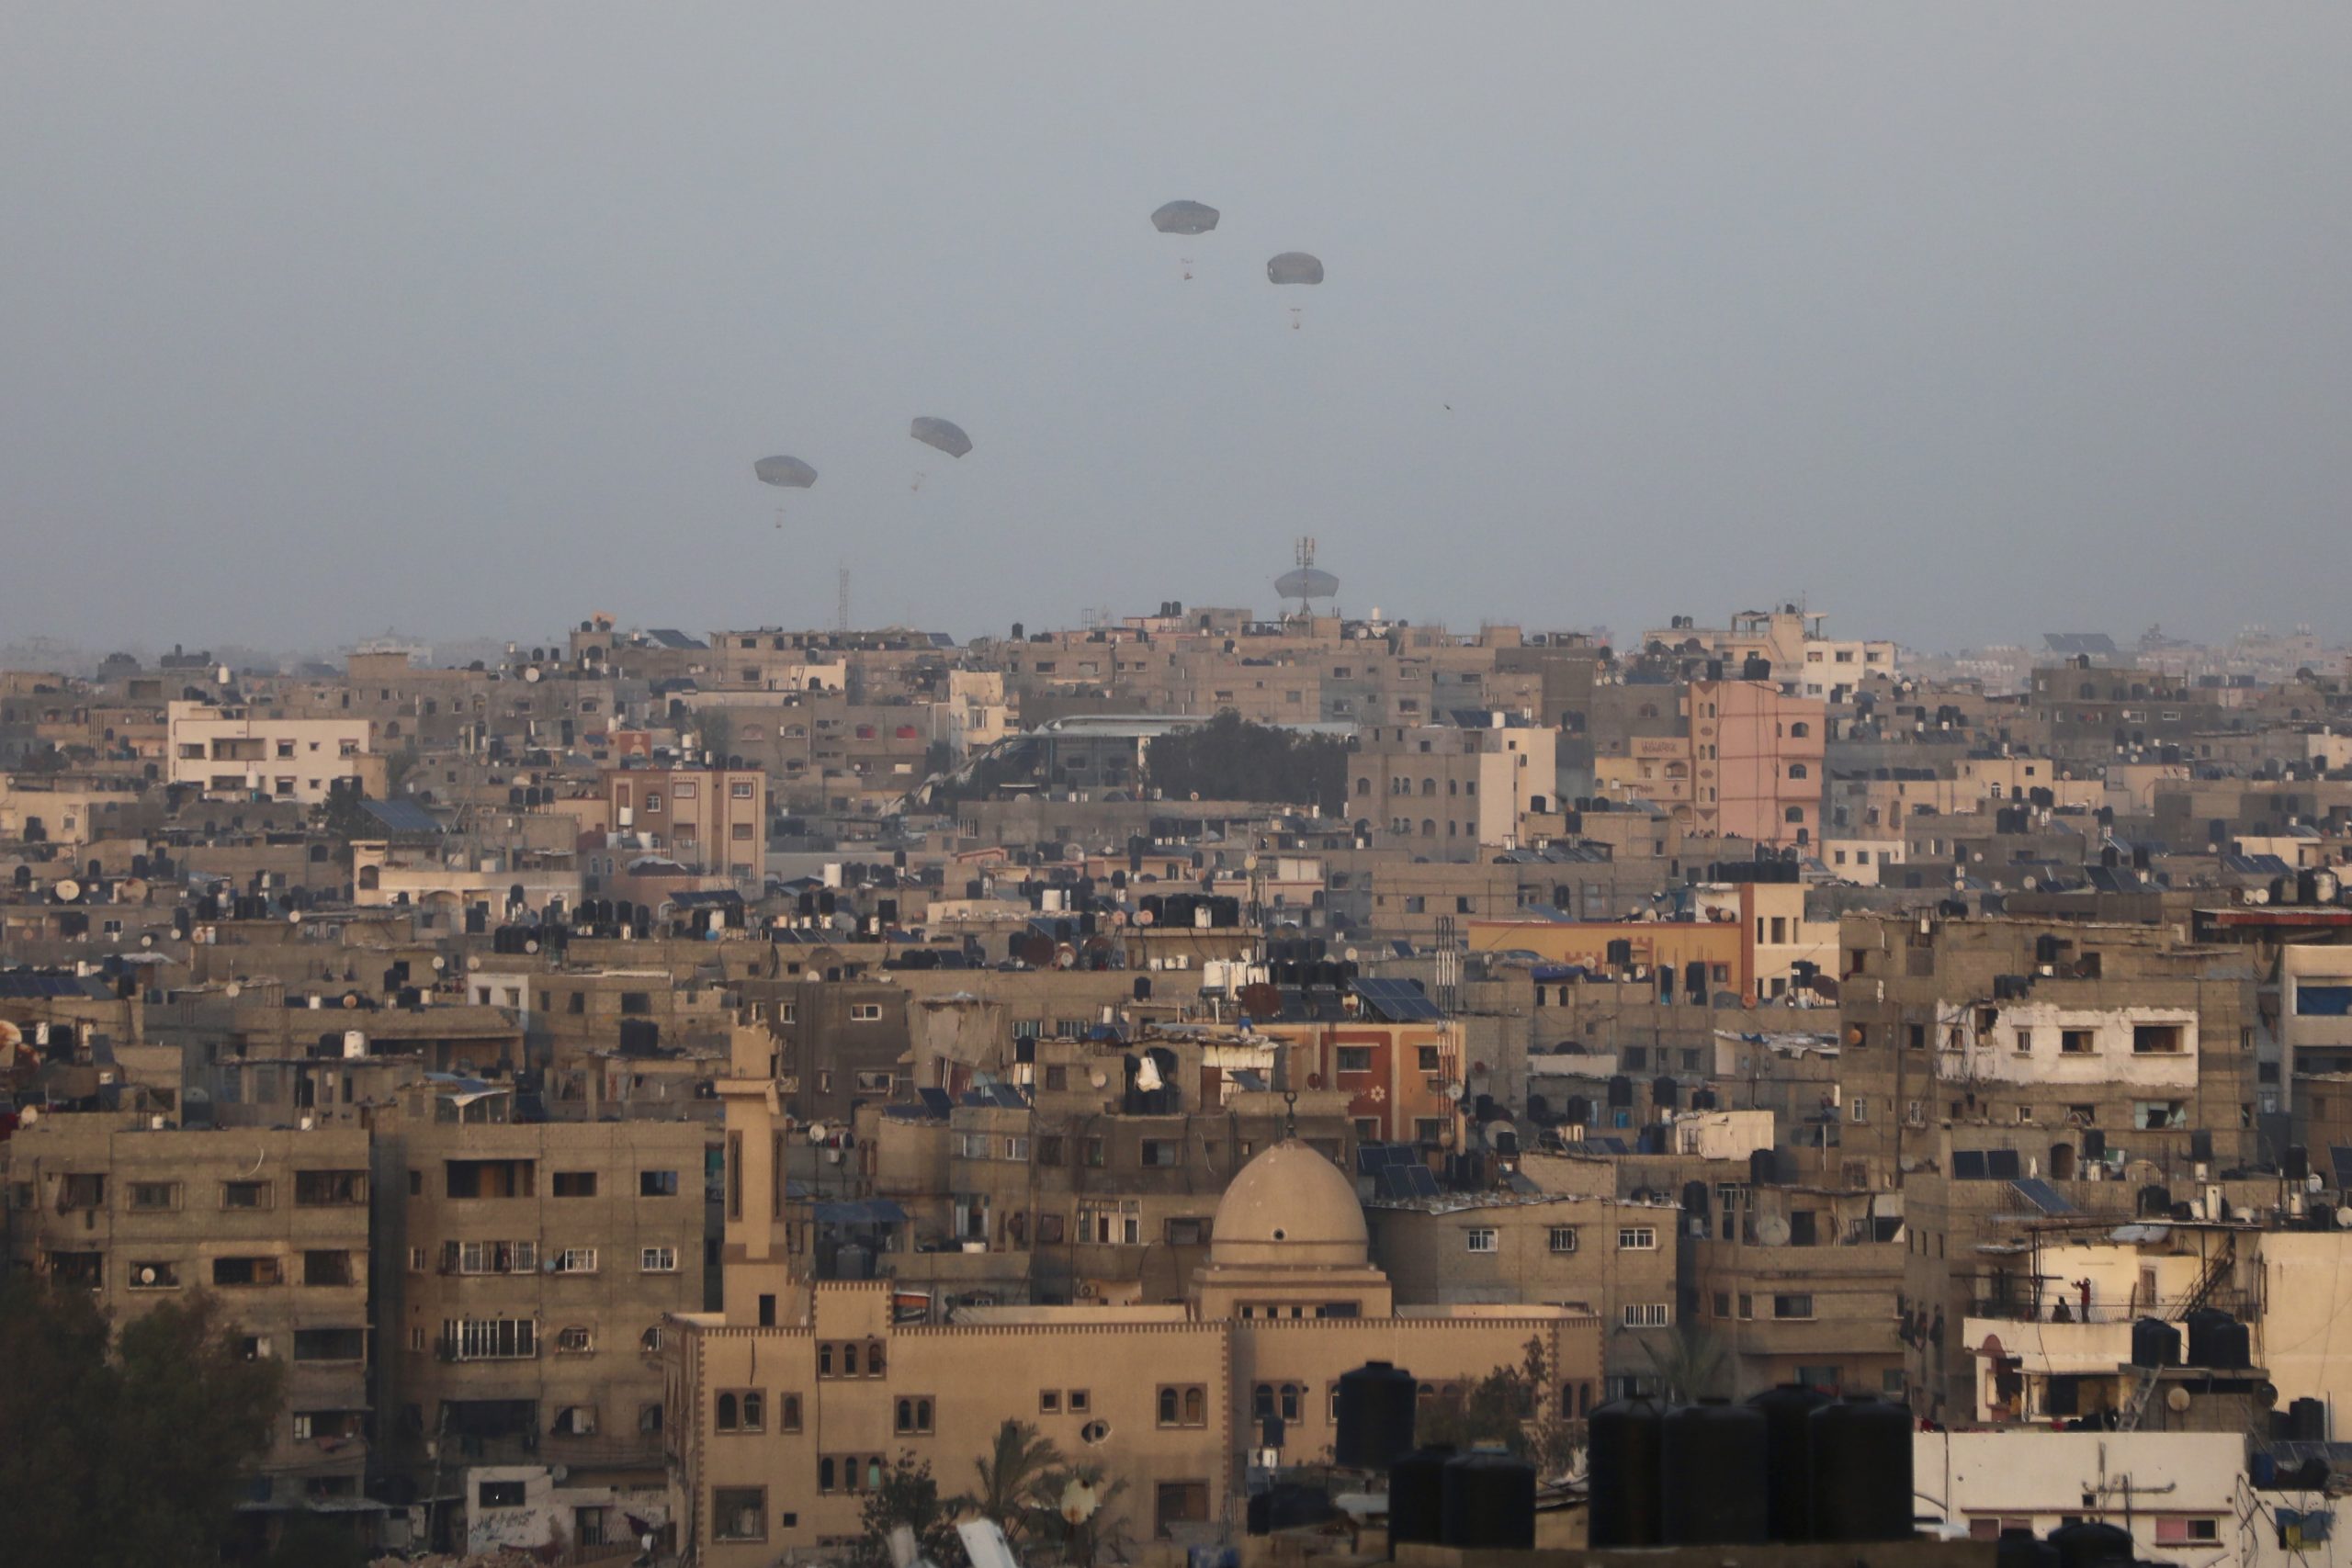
(1636, 1238)
(1355, 1058)
(244, 1194)
(1182, 1405)
(1647, 1314)
(159, 1276)
(578, 1339)
(327, 1269)
(499, 1494)
(658, 1259)
(576, 1421)
(739, 789)
(155, 1195)
(489, 1338)
(235, 1272)
(656, 1184)
(740, 1410)
(2072, 1041)
(1564, 1238)
(1049, 1402)
(330, 1189)
(1793, 1308)
(865, 1012)
(574, 1260)
(1080, 1402)
(1479, 1238)
(913, 1417)
(1162, 1153)
(738, 1513)
(788, 1413)
(575, 1184)
(330, 1344)
(2157, 1039)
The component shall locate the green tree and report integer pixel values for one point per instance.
(1690, 1363)
(1012, 1475)
(1516, 1406)
(1231, 759)
(124, 1456)
(909, 1496)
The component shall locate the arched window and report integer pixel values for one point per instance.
(1794, 814)
(370, 878)
(788, 1413)
(1293, 1398)
(1168, 1407)
(1364, 787)
(728, 1419)
(849, 1361)
(1428, 828)
(754, 1411)
(1797, 771)
(1262, 1401)
(874, 1359)
(1195, 1408)
(650, 1341)
(1453, 787)
(1429, 786)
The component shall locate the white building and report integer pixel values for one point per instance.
(229, 752)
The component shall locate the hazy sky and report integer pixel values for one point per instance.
(1964, 321)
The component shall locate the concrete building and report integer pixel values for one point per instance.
(229, 752)
(788, 1405)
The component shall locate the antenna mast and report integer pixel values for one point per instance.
(841, 601)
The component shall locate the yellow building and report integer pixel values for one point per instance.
(784, 1409)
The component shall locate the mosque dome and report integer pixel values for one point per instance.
(1289, 1207)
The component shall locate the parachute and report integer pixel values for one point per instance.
(943, 434)
(789, 472)
(1294, 266)
(1184, 218)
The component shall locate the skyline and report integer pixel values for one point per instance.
(1963, 324)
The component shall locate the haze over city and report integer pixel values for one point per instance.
(1963, 321)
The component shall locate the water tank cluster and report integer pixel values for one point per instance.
(1482, 1498)
(1791, 1465)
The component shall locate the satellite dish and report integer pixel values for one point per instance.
(67, 890)
(2177, 1399)
(816, 1131)
(1454, 1092)
(293, 917)
(439, 963)
(1314, 1080)
(531, 673)
(1098, 1079)
(1772, 1231)
(1249, 861)
(473, 960)
(1350, 955)
(232, 990)
(146, 938)
(1145, 917)
(147, 1275)
(134, 890)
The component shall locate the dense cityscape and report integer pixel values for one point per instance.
(1348, 784)
(717, 1095)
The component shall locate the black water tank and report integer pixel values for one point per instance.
(1789, 1462)
(1861, 1470)
(2017, 1549)
(1287, 1506)
(2307, 1421)
(2086, 1543)
(2156, 1202)
(1624, 1444)
(1663, 1092)
(2296, 1164)
(2154, 1343)
(1417, 1494)
(1763, 1170)
(1711, 1462)
(2202, 1323)
(1620, 1092)
(1375, 1417)
(1488, 1500)
(2233, 1346)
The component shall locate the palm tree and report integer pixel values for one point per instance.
(1689, 1364)
(1011, 1473)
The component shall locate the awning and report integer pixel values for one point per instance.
(861, 1211)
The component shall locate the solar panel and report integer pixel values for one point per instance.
(2340, 1156)
(1401, 1154)
(1398, 1001)
(2002, 1165)
(2041, 1195)
(1422, 1181)
(1968, 1165)
(935, 1100)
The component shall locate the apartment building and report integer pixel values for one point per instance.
(708, 820)
(1449, 792)
(273, 1222)
(1756, 759)
(524, 1270)
(229, 752)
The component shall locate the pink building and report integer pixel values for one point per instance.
(1756, 757)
